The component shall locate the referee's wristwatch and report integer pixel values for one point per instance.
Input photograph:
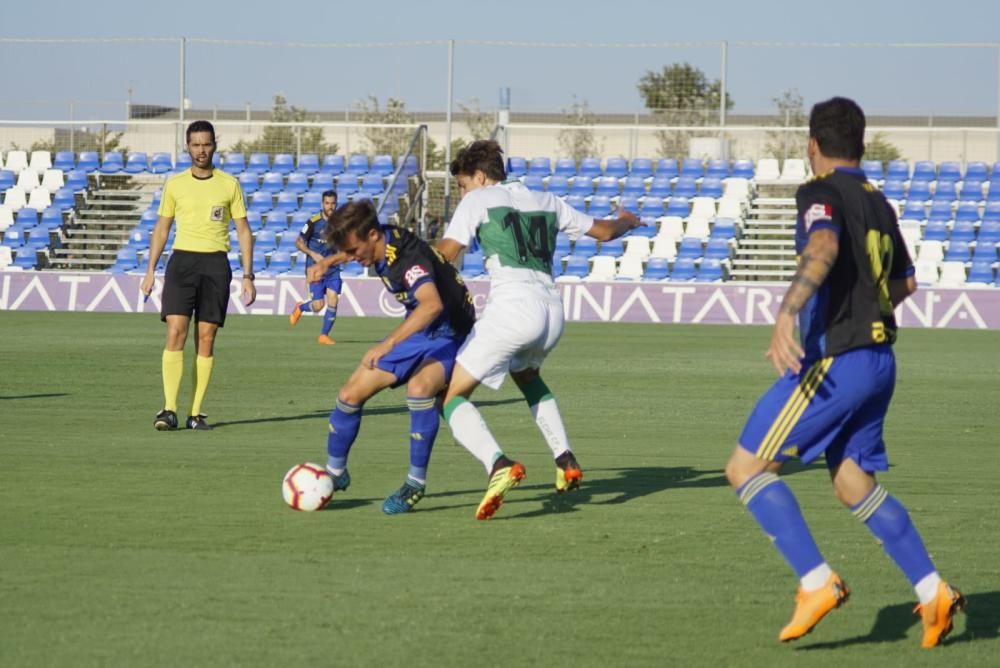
(250, 276)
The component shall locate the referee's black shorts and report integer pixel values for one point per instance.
(197, 283)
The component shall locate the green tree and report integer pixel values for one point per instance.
(386, 141)
(81, 140)
(285, 138)
(791, 113)
(879, 148)
(580, 141)
(680, 94)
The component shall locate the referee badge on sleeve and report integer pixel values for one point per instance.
(217, 213)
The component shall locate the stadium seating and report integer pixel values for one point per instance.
(259, 163)
(616, 166)
(590, 168)
(113, 163)
(657, 269)
(137, 163)
(872, 169)
(64, 160)
(160, 163)
(284, 163)
(641, 167)
(666, 167)
(534, 182)
(540, 166)
(683, 269)
(565, 167)
(516, 167)
(558, 185)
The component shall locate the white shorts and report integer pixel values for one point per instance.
(518, 328)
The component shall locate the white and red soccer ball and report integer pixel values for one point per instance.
(307, 487)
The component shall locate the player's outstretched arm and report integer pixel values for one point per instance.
(157, 241)
(606, 229)
(429, 307)
(814, 265)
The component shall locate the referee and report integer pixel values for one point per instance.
(202, 200)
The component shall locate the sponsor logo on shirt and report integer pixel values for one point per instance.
(217, 213)
(413, 274)
(816, 213)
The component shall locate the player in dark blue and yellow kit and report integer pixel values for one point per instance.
(326, 290)
(419, 353)
(835, 385)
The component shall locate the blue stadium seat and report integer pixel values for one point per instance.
(65, 160)
(334, 164)
(473, 265)
(981, 272)
(944, 190)
(743, 169)
(659, 187)
(558, 185)
(914, 210)
(582, 185)
(259, 162)
(984, 251)
(565, 167)
(235, 164)
(534, 182)
(634, 185)
(26, 259)
(723, 228)
(52, 217)
(353, 269)
(562, 246)
(873, 169)
(971, 191)
(690, 247)
(936, 230)
(298, 219)
(710, 187)
(286, 203)
(717, 248)
(600, 206)
(607, 186)
(410, 166)
(666, 167)
(288, 238)
(183, 161)
(89, 161)
(382, 164)
(113, 163)
(578, 202)
(137, 163)
(297, 183)
(989, 232)
(950, 170)
(616, 166)
(155, 202)
(148, 219)
(312, 202)
(940, 210)
(963, 230)
(284, 163)
(347, 185)
(272, 182)
(261, 201)
(590, 167)
(357, 163)
(629, 203)
(993, 193)
(264, 241)
(976, 171)
(685, 187)
(540, 166)
(958, 251)
(64, 199)
(307, 164)
(254, 220)
(693, 167)
(683, 269)
(577, 265)
(678, 206)
(967, 211)
(897, 170)
(161, 163)
(641, 167)
(26, 216)
(248, 182)
(516, 167)
(612, 248)
(893, 190)
(709, 270)
(371, 184)
(321, 181)
(717, 169)
(585, 246)
(924, 170)
(652, 206)
(76, 180)
(920, 189)
(279, 262)
(657, 269)
(8, 179)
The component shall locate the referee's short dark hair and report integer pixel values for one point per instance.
(200, 126)
(838, 126)
(484, 155)
(359, 217)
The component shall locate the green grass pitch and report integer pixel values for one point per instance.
(120, 545)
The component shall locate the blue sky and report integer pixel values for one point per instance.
(96, 77)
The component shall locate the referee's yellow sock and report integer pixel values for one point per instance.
(173, 371)
(202, 374)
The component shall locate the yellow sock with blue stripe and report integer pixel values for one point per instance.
(172, 366)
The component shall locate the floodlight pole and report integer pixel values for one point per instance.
(183, 86)
(447, 142)
(722, 100)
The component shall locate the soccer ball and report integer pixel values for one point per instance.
(307, 487)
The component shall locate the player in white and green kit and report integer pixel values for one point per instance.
(523, 318)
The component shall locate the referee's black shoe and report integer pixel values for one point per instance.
(198, 422)
(165, 420)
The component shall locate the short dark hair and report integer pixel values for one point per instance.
(200, 126)
(329, 193)
(838, 126)
(359, 217)
(484, 155)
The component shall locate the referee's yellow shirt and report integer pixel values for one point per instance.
(202, 209)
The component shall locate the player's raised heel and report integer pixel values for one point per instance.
(403, 499)
(325, 340)
(568, 473)
(294, 316)
(813, 606)
(165, 421)
(502, 481)
(938, 615)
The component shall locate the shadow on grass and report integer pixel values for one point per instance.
(324, 412)
(982, 612)
(33, 396)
